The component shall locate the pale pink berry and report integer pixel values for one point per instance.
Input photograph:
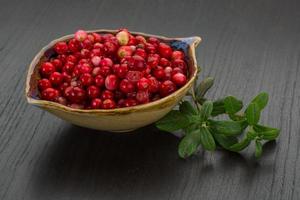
(96, 60)
(80, 35)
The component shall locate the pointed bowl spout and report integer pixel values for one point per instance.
(120, 119)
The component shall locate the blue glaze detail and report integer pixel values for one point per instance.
(180, 45)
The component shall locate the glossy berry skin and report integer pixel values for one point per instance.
(44, 84)
(47, 69)
(126, 86)
(86, 79)
(50, 94)
(143, 84)
(57, 64)
(93, 92)
(75, 94)
(124, 51)
(153, 85)
(96, 103)
(61, 47)
(166, 88)
(179, 79)
(165, 50)
(56, 78)
(111, 82)
(142, 96)
(99, 80)
(177, 55)
(107, 71)
(107, 94)
(108, 104)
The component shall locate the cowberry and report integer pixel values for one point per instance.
(177, 55)
(93, 92)
(165, 50)
(143, 84)
(56, 78)
(126, 86)
(166, 88)
(111, 82)
(96, 103)
(123, 37)
(99, 80)
(46, 69)
(44, 84)
(179, 79)
(107, 94)
(50, 94)
(61, 47)
(80, 35)
(142, 96)
(124, 51)
(108, 104)
(86, 79)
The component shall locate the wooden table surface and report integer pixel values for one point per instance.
(248, 46)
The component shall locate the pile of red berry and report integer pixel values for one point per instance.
(94, 71)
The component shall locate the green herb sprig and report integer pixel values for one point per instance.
(197, 121)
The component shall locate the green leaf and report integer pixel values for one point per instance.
(173, 121)
(240, 145)
(227, 128)
(206, 110)
(232, 105)
(189, 129)
(258, 149)
(261, 100)
(224, 141)
(236, 117)
(253, 113)
(266, 133)
(187, 108)
(204, 86)
(218, 107)
(189, 144)
(207, 140)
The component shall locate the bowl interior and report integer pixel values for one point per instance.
(187, 45)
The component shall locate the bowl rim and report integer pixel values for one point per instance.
(193, 42)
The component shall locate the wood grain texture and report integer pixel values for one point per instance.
(248, 46)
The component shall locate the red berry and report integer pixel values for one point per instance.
(164, 62)
(179, 63)
(61, 48)
(75, 94)
(105, 70)
(139, 62)
(63, 86)
(106, 94)
(93, 92)
(153, 85)
(134, 76)
(71, 58)
(179, 79)
(85, 53)
(141, 52)
(142, 96)
(143, 84)
(153, 60)
(86, 79)
(97, 37)
(124, 51)
(85, 68)
(96, 52)
(110, 47)
(96, 71)
(132, 40)
(91, 38)
(177, 55)
(57, 64)
(106, 62)
(44, 84)
(99, 80)
(66, 77)
(62, 100)
(50, 94)
(46, 69)
(74, 45)
(140, 39)
(168, 71)
(68, 67)
(165, 50)
(126, 86)
(166, 88)
(56, 78)
(108, 104)
(111, 82)
(154, 41)
(80, 35)
(121, 70)
(150, 48)
(176, 70)
(96, 103)
(130, 102)
(159, 73)
(87, 44)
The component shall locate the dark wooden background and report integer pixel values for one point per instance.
(248, 46)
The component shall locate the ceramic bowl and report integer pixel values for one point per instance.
(120, 119)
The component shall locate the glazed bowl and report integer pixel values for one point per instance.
(120, 119)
